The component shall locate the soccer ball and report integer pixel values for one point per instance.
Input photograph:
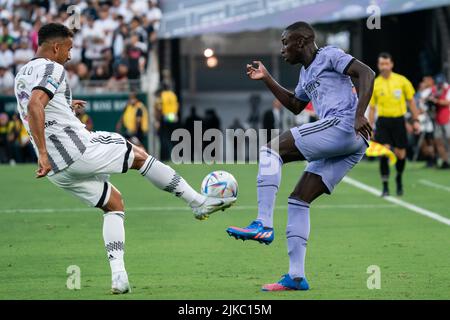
(220, 184)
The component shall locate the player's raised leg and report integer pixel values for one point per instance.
(268, 182)
(167, 179)
(114, 237)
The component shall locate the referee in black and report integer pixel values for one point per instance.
(391, 95)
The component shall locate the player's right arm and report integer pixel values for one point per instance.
(36, 120)
(286, 97)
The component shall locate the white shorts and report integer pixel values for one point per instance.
(88, 177)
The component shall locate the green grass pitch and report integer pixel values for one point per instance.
(170, 255)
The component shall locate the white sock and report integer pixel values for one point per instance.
(165, 178)
(114, 237)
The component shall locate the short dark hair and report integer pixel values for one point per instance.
(136, 19)
(304, 29)
(385, 55)
(52, 31)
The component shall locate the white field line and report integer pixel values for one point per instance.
(404, 204)
(185, 208)
(434, 185)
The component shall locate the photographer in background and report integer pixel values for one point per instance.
(426, 118)
(134, 121)
(440, 97)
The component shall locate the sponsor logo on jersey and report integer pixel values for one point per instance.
(50, 123)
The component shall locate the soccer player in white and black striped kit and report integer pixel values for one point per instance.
(80, 161)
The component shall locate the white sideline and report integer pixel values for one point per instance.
(434, 185)
(185, 208)
(407, 205)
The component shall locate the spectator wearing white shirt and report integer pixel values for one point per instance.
(72, 77)
(6, 80)
(105, 24)
(6, 55)
(23, 53)
(93, 41)
(139, 7)
(119, 38)
(137, 29)
(154, 14)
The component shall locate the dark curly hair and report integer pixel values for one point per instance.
(52, 31)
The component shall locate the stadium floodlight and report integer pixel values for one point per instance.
(208, 53)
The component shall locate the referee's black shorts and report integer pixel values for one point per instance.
(391, 131)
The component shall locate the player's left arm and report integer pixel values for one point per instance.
(365, 78)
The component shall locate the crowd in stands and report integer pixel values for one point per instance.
(433, 100)
(111, 47)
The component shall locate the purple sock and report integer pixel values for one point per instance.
(269, 177)
(297, 233)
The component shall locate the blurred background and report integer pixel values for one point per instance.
(147, 67)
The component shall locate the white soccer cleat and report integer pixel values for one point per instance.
(211, 205)
(120, 284)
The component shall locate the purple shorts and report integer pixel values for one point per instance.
(331, 148)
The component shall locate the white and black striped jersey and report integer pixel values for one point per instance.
(66, 136)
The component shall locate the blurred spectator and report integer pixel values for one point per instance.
(134, 120)
(105, 25)
(211, 120)
(119, 82)
(273, 119)
(189, 126)
(82, 71)
(139, 31)
(441, 98)
(5, 37)
(110, 51)
(6, 128)
(240, 146)
(426, 144)
(190, 120)
(253, 119)
(112, 32)
(167, 115)
(72, 76)
(6, 80)
(100, 73)
(6, 55)
(22, 54)
(94, 42)
(119, 37)
(20, 142)
(136, 61)
(34, 34)
(154, 14)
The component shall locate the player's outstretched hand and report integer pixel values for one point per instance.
(362, 126)
(76, 104)
(256, 71)
(44, 166)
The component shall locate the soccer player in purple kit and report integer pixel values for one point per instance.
(340, 88)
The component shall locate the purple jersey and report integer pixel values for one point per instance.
(325, 83)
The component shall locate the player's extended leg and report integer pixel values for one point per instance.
(307, 190)
(114, 237)
(268, 182)
(165, 178)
